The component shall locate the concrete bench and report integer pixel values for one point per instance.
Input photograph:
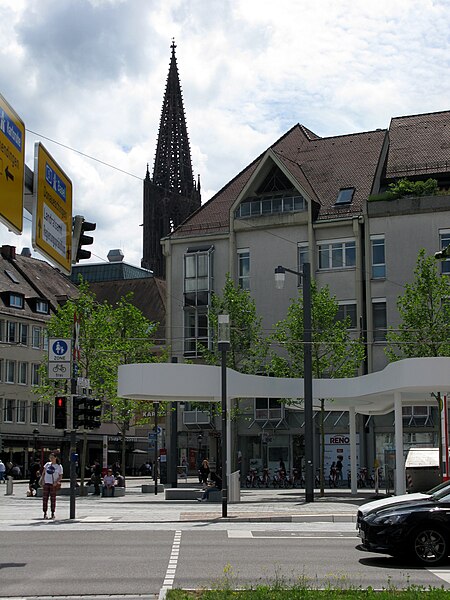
(119, 491)
(63, 491)
(183, 493)
(214, 496)
(149, 488)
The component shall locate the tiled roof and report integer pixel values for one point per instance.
(321, 165)
(149, 296)
(419, 145)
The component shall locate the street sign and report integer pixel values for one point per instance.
(59, 358)
(52, 210)
(12, 166)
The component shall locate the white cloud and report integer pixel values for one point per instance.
(92, 74)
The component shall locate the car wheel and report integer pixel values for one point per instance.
(430, 546)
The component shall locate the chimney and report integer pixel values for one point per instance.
(26, 252)
(8, 252)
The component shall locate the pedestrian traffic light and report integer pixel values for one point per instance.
(60, 412)
(79, 239)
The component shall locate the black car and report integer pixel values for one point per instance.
(418, 529)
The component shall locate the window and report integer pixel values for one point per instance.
(8, 411)
(337, 254)
(268, 409)
(21, 410)
(379, 319)
(23, 373)
(42, 307)
(11, 332)
(345, 195)
(416, 415)
(303, 257)
(2, 330)
(198, 281)
(36, 341)
(1, 368)
(255, 207)
(347, 309)
(46, 414)
(34, 417)
(23, 334)
(195, 330)
(378, 256)
(10, 375)
(35, 379)
(444, 240)
(16, 300)
(244, 269)
(45, 340)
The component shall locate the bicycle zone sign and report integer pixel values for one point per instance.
(59, 358)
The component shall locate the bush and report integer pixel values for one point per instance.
(405, 187)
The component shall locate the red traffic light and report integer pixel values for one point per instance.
(60, 402)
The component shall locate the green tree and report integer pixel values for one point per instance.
(335, 353)
(424, 311)
(248, 345)
(109, 335)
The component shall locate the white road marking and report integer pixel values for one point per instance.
(172, 566)
(442, 573)
(246, 534)
(239, 533)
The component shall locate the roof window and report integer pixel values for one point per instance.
(345, 195)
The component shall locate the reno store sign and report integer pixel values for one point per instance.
(337, 447)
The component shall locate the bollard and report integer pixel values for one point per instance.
(9, 486)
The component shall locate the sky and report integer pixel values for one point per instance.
(90, 75)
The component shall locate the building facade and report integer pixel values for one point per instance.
(309, 199)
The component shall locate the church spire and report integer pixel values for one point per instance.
(171, 195)
(173, 167)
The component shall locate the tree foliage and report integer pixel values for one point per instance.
(424, 310)
(248, 346)
(109, 336)
(334, 352)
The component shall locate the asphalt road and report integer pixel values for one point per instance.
(139, 562)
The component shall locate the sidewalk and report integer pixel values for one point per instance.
(257, 505)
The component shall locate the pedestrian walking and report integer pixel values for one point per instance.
(96, 477)
(2, 471)
(204, 472)
(51, 482)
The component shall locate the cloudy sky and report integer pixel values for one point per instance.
(90, 75)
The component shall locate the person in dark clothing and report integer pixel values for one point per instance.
(204, 471)
(215, 486)
(96, 477)
(339, 470)
(35, 473)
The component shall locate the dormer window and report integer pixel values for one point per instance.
(16, 300)
(42, 306)
(345, 195)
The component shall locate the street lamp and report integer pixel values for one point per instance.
(223, 337)
(307, 371)
(35, 435)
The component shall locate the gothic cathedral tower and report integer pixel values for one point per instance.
(171, 194)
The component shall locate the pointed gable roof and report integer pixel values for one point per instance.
(321, 166)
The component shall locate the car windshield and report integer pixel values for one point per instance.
(437, 488)
(442, 495)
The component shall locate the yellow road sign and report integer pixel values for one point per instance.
(52, 211)
(12, 166)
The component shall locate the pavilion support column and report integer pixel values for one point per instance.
(352, 427)
(400, 487)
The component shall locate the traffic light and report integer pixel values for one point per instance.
(60, 412)
(93, 413)
(86, 412)
(79, 239)
(78, 411)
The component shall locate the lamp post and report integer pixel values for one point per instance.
(35, 435)
(223, 337)
(307, 372)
